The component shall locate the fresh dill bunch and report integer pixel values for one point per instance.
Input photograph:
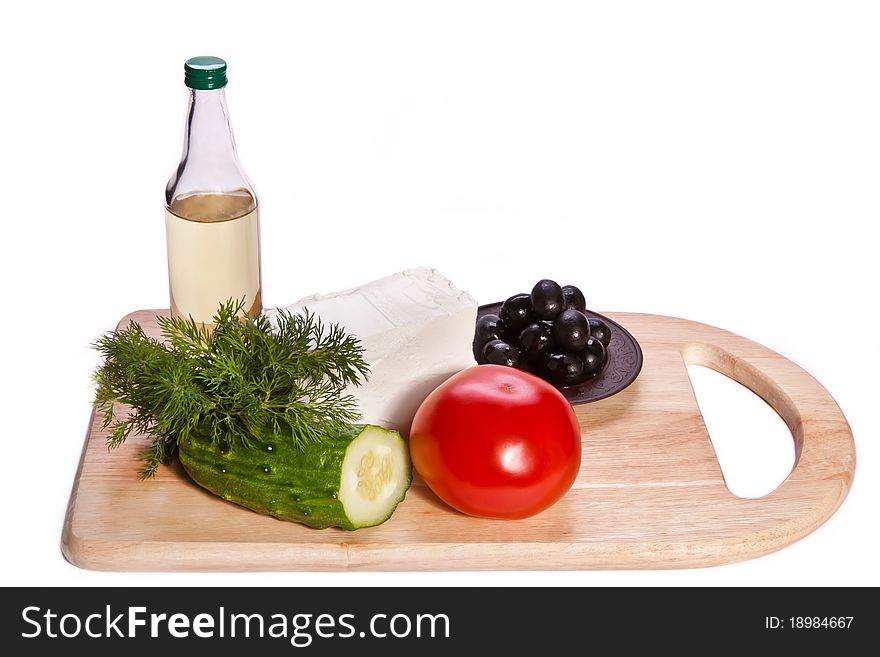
(228, 383)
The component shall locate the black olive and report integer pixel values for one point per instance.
(600, 330)
(547, 299)
(478, 351)
(551, 369)
(574, 298)
(571, 330)
(499, 352)
(594, 357)
(535, 340)
(488, 328)
(516, 313)
(561, 369)
(573, 368)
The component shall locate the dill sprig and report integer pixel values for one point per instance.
(229, 383)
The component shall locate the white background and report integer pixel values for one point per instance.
(712, 160)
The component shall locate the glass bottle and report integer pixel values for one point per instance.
(211, 212)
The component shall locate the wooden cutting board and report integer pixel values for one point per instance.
(650, 493)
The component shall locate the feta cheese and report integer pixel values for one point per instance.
(416, 328)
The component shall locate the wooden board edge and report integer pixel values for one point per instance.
(116, 556)
(70, 543)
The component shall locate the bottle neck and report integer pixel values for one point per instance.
(208, 132)
(209, 164)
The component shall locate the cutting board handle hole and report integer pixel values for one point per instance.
(745, 414)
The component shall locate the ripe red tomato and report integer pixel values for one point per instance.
(496, 442)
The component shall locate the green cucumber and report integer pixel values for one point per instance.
(353, 479)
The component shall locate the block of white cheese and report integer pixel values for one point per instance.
(417, 329)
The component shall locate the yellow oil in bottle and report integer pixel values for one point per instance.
(213, 253)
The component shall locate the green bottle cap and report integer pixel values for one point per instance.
(205, 73)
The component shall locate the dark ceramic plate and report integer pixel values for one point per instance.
(623, 366)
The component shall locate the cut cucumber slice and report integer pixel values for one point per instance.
(372, 484)
(353, 479)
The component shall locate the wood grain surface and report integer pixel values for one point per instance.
(650, 493)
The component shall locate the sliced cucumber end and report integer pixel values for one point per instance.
(376, 473)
